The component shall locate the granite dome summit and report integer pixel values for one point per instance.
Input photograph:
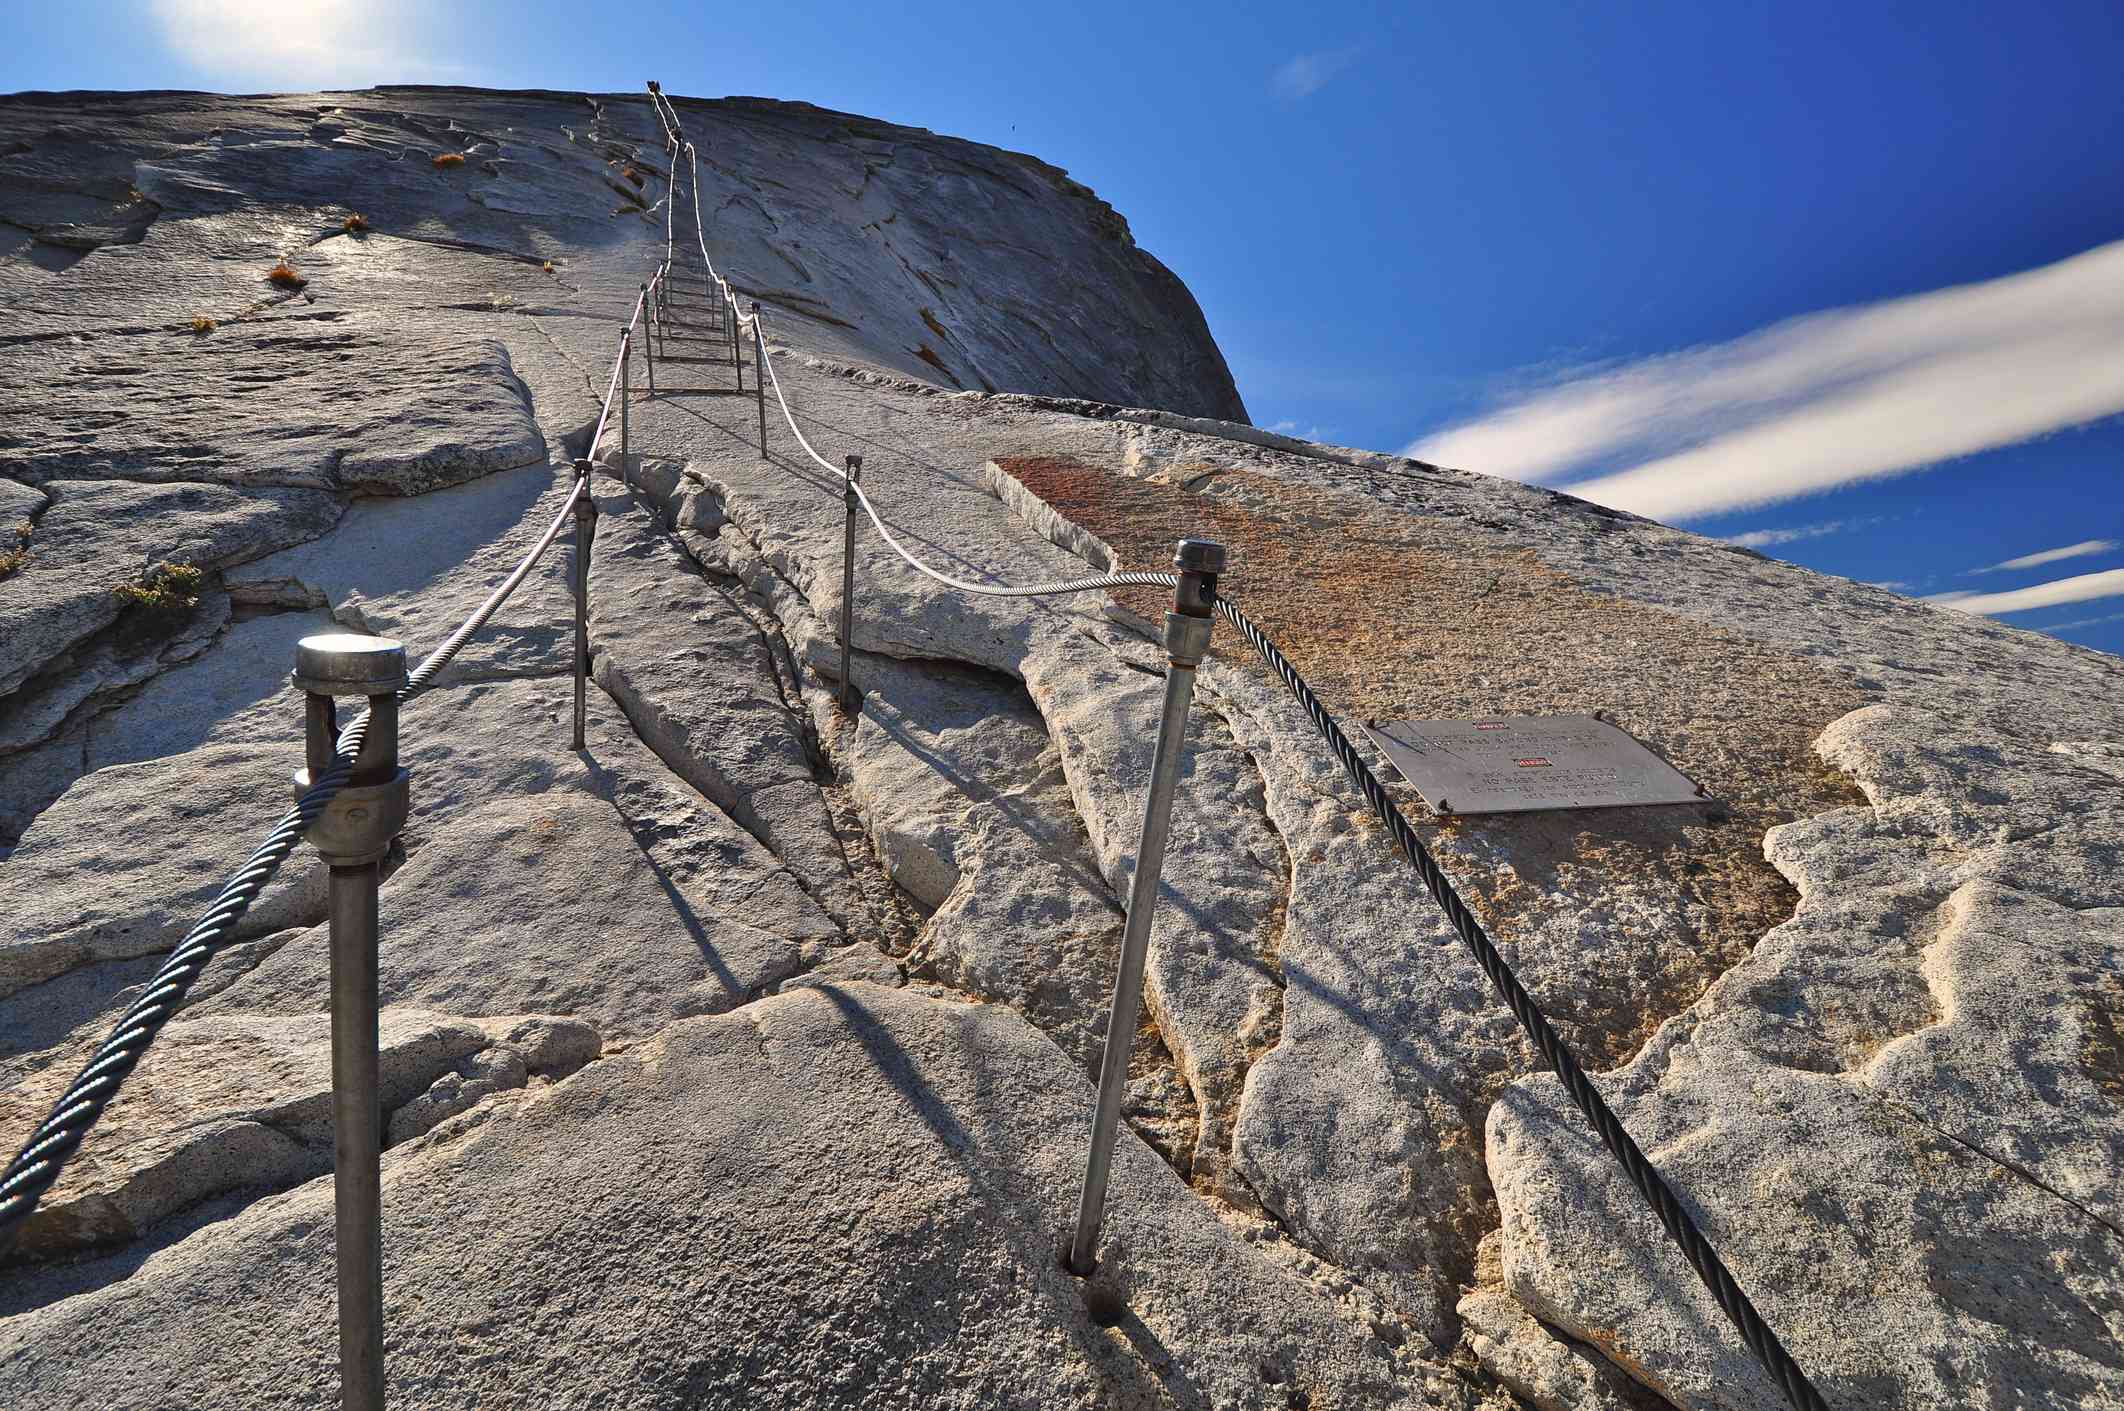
(745, 1056)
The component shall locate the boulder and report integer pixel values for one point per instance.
(224, 1101)
(701, 688)
(1897, 1120)
(326, 402)
(100, 536)
(414, 569)
(841, 1196)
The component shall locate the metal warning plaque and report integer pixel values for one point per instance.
(1513, 764)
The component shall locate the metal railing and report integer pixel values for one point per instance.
(354, 799)
(1196, 602)
(356, 796)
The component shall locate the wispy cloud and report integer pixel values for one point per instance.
(295, 44)
(1767, 538)
(1821, 401)
(2081, 588)
(1288, 427)
(2078, 622)
(2070, 551)
(1307, 74)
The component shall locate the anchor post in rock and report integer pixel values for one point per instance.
(759, 373)
(1187, 638)
(626, 342)
(585, 531)
(851, 700)
(352, 834)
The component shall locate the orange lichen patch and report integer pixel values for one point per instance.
(449, 159)
(284, 275)
(928, 355)
(930, 318)
(1388, 617)
(2102, 1044)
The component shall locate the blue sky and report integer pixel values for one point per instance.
(1844, 281)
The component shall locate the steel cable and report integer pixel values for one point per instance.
(1761, 1340)
(36, 1167)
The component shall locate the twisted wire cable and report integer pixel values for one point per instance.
(612, 383)
(1761, 1340)
(36, 1167)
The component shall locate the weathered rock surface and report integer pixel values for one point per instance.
(1882, 1062)
(329, 402)
(97, 537)
(413, 569)
(970, 813)
(838, 1197)
(219, 1102)
(947, 260)
(702, 689)
(1905, 1100)
(614, 895)
(128, 860)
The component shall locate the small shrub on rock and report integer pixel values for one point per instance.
(166, 590)
(13, 557)
(284, 275)
(203, 324)
(355, 224)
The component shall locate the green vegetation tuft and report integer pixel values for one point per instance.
(13, 558)
(166, 590)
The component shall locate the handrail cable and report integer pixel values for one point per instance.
(1761, 1340)
(35, 1169)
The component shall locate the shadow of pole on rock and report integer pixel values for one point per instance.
(900, 1070)
(602, 786)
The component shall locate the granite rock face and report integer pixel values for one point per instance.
(745, 1054)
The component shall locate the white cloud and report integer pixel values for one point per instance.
(2070, 551)
(1307, 74)
(1287, 427)
(304, 44)
(1766, 538)
(2077, 622)
(2081, 588)
(1824, 400)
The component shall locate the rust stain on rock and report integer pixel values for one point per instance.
(1387, 624)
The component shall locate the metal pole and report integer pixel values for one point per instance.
(1187, 638)
(585, 530)
(626, 356)
(649, 342)
(759, 373)
(663, 317)
(352, 835)
(737, 349)
(357, 1137)
(850, 700)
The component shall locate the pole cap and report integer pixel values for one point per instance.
(1199, 556)
(349, 664)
